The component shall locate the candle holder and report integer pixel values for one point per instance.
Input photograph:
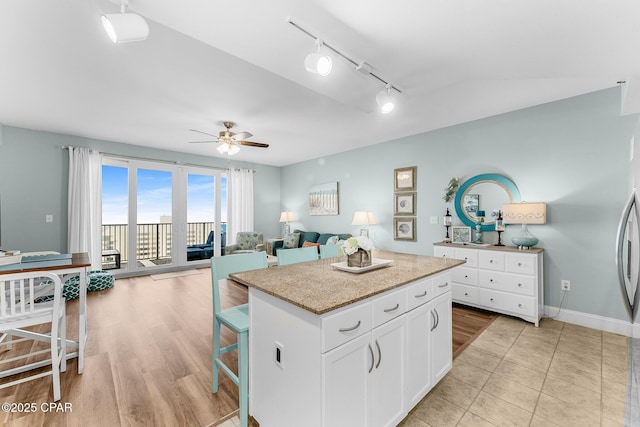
(499, 228)
(447, 224)
(479, 221)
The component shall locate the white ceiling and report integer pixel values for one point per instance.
(208, 61)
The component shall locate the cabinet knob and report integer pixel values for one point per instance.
(490, 261)
(519, 285)
(519, 305)
(466, 294)
(491, 300)
(466, 259)
(519, 264)
(491, 280)
(466, 276)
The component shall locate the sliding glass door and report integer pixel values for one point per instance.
(160, 216)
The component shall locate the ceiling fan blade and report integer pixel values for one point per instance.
(241, 135)
(202, 142)
(253, 144)
(199, 131)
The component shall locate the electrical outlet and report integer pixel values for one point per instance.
(279, 354)
(565, 285)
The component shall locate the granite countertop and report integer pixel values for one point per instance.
(491, 247)
(318, 287)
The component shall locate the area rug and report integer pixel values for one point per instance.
(173, 274)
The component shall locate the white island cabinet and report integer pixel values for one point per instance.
(366, 362)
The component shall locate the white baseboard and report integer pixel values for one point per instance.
(608, 324)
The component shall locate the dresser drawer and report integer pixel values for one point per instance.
(489, 260)
(442, 283)
(468, 255)
(520, 263)
(444, 252)
(465, 275)
(464, 294)
(507, 282)
(341, 327)
(517, 304)
(419, 293)
(389, 306)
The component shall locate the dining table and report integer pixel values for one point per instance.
(62, 265)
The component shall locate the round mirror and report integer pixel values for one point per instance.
(487, 192)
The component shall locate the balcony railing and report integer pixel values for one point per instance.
(153, 241)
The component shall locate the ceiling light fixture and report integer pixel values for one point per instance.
(386, 100)
(228, 147)
(125, 27)
(313, 65)
(318, 63)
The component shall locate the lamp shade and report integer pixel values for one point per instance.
(287, 216)
(363, 218)
(125, 27)
(525, 213)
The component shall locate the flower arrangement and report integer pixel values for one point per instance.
(453, 185)
(352, 244)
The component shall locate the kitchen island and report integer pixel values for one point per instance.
(334, 348)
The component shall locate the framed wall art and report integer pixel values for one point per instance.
(460, 234)
(323, 199)
(404, 229)
(405, 204)
(405, 179)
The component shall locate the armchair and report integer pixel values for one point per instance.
(246, 241)
(205, 251)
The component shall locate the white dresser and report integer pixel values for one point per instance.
(503, 279)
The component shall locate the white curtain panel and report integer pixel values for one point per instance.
(85, 204)
(239, 203)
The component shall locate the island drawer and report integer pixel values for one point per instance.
(442, 283)
(346, 325)
(419, 293)
(389, 306)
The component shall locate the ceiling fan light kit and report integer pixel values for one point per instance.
(321, 64)
(229, 142)
(125, 27)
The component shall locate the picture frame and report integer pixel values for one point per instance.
(323, 199)
(471, 204)
(405, 204)
(404, 229)
(405, 179)
(460, 234)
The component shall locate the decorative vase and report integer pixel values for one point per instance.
(361, 258)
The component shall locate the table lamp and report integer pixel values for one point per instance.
(525, 214)
(285, 217)
(365, 219)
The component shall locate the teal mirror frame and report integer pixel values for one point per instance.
(488, 178)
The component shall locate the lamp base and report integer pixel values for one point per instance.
(524, 240)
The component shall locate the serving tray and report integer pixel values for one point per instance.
(376, 263)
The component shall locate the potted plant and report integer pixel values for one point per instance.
(358, 251)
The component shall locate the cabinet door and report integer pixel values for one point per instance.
(346, 383)
(418, 372)
(440, 337)
(389, 344)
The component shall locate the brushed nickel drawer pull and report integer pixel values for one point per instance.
(379, 354)
(424, 294)
(444, 286)
(350, 329)
(389, 310)
(372, 359)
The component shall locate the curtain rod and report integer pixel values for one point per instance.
(170, 162)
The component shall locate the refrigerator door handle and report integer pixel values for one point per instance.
(631, 307)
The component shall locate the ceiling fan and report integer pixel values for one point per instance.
(228, 142)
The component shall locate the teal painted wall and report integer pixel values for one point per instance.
(572, 154)
(33, 183)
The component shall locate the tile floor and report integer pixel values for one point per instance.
(515, 374)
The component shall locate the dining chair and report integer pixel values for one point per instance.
(18, 310)
(292, 256)
(236, 319)
(329, 251)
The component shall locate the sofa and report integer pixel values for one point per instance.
(205, 250)
(305, 238)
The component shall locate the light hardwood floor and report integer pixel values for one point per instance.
(148, 358)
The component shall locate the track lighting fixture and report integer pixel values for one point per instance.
(318, 63)
(125, 27)
(386, 100)
(321, 64)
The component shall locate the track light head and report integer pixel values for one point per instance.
(125, 27)
(386, 100)
(317, 63)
